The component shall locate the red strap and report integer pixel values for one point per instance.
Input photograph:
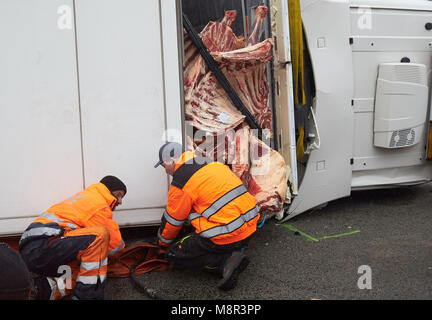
(120, 266)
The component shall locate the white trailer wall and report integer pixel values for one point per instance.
(84, 92)
(39, 121)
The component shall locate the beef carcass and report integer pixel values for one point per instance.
(267, 176)
(207, 106)
(224, 136)
(262, 170)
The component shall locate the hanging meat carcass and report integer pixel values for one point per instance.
(223, 134)
(207, 105)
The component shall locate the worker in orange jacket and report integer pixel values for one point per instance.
(214, 201)
(69, 244)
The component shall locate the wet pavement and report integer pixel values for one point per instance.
(372, 245)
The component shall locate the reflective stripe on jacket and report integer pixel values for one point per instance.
(88, 208)
(212, 198)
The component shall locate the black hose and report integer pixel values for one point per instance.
(151, 293)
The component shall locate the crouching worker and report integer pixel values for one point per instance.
(69, 244)
(218, 206)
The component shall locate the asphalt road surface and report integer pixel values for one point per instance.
(372, 245)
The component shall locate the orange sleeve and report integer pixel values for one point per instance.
(176, 213)
(104, 218)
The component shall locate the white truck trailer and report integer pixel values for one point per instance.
(91, 88)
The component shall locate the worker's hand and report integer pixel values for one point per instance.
(160, 249)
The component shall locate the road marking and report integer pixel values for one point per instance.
(311, 238)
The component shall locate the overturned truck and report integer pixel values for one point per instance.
(318, 99)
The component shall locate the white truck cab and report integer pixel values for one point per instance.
(93, 88)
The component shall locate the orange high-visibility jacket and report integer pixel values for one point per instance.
(212, 198)
(90, 207)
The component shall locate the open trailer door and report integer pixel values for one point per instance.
(328, 170)
(283, 88)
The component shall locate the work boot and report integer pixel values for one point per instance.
(235, 264)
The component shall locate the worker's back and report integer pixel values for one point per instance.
(88, 208)
(225, 211)
(80, 208)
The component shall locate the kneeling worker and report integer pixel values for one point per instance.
(75, 235)
(218, 206)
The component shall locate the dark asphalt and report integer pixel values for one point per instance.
(395, 241)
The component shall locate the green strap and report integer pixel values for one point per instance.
(210, 268)
(183, 239)
(340, 235)
(309, 237)
(300, 232)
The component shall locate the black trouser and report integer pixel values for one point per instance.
(195, 252)
(45, 256)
